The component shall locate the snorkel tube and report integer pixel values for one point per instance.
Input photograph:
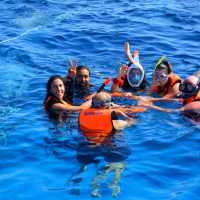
(135, 74)
(163, 63)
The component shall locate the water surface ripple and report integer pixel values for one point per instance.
(161, 152)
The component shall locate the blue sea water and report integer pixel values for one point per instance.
(37, 38)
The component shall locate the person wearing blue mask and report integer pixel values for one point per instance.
(130, 77)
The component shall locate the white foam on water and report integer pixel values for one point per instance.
(21, 35)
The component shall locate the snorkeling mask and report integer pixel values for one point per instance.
(135, 76)
(160, 76)
(135, 73)
(188, 89)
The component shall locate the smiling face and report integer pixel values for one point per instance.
(83, 77)
(58, 88)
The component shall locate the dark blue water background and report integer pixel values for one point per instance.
(37, 38)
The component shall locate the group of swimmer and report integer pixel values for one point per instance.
(61, 92)
(100, 117)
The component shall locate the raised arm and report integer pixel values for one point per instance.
(128, 52)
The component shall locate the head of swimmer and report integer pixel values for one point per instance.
(55, 87)
(82, 76)
(160, 75)
(101, 100)
(190, 86)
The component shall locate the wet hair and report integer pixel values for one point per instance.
(164, 66)
(81, 67)
(48, 85)
(163, 63)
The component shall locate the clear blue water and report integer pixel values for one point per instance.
(37, 159)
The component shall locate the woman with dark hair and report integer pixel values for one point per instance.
(56, 102)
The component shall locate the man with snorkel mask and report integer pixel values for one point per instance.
(165, 82)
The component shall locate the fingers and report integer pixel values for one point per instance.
(72, 68)
(73, 64)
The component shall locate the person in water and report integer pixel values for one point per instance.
(56, 101)
(78, 84)
(98, 122)
(165, 82)
(190, 93)
(131, 76)
(101, 125)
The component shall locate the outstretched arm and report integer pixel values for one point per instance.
(64, 106)
(194, 106)
(174, 91)
(131, 109)
(162, 109)
(124, 122)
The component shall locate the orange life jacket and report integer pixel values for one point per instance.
(172, 80)
(96, 124)
(192, 98)
(49, 99)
